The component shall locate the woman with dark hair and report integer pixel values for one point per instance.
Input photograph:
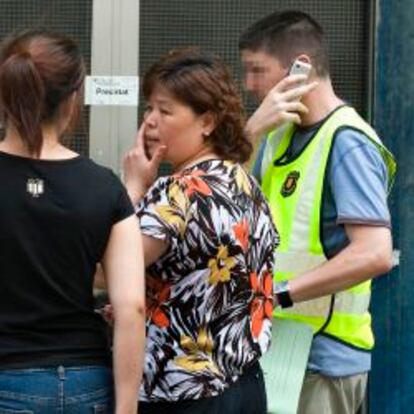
(208, 243)
(60, 215)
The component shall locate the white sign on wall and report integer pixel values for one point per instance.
(111, 90)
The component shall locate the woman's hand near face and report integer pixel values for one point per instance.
(139, 170)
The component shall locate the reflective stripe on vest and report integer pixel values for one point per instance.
(297, 215)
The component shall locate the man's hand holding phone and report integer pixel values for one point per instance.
(282, 104)
(300, 68)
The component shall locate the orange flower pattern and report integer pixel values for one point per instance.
(158, 294)
(210, 295)
(196, 184)
(261, 307)
(241, 232)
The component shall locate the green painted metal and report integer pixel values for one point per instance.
(392, 378)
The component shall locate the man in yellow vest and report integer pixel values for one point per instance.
(326, 175)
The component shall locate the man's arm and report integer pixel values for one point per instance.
(358, 181)
(369, 254)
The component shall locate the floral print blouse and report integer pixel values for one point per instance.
(209, 297)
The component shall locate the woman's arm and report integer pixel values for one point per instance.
(99, 279)
(153, 249)
(140, 172)
(123, 267)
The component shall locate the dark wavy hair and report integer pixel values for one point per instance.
(203, 82)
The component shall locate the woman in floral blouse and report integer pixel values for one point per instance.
(208, 240)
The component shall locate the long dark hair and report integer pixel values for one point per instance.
(204, 83)
(38, 71)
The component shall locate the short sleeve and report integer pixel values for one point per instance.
(358, 179)
(256, 170)
(123, 207)
(163, 212)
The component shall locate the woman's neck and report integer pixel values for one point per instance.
(203, 155)
(51, 149)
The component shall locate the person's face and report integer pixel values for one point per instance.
(171, 123)
(261, 72)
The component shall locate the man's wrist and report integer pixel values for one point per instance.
(282, 294)
(252, 133)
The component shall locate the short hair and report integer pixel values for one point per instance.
(286, 35)
(203, 82)
(38, 71)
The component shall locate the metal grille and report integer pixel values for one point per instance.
(216, 24)
(71, 17)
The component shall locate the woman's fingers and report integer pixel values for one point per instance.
(132, 155)
(107, 314)
(139, 138)
(158, 156)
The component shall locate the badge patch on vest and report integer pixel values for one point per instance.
(289, 186)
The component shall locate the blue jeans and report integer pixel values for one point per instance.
(72, 390)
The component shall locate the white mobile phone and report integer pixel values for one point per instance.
(300, 68)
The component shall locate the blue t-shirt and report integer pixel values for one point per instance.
(355, 192)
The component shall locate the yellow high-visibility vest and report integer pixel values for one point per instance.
(294, 191)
